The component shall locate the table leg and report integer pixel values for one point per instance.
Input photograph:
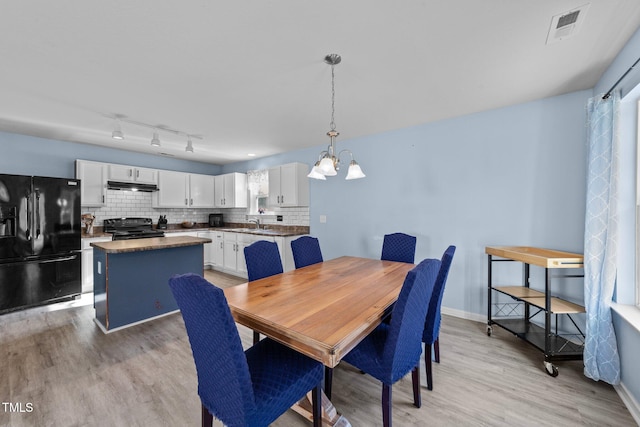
(330, 415)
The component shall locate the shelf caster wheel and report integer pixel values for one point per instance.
(551, 369)
(489, 330)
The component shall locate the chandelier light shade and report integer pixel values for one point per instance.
(328, 162)
(189, 147)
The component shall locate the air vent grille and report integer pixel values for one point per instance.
(567, 24)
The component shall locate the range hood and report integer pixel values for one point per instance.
(131, 186)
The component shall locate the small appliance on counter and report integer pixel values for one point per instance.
(215, 220)
(162, 222)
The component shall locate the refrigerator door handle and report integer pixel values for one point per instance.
(45, 261)
(38, 221)
(37, 209)
(28, 230)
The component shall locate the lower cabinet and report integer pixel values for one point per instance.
(228, 251)
(87, 261)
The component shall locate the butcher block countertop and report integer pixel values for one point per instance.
(149, 244)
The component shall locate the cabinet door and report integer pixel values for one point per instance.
(121, 173)
(172, 189)
(208, 247)
(201, 191)
(230, 251)
(145, 176)
(229, 186)
(288, 185)
(93, 186)
(218, 191)
(218, 250)
(274, 186)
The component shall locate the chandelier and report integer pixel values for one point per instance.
(328, 162)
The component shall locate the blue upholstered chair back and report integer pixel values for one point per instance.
(306, 251)
(403, 346)
(432, 322)
(224, 382)
(263, 260)
(399, 247)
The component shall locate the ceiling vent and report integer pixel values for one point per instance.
(567, 24)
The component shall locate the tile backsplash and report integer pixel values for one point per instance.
(138, 204)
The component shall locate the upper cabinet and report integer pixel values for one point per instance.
(289, 185)
(184, 190)
(93, 182)
(125, 173)
(231, 190)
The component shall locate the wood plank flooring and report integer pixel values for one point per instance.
(74, 375)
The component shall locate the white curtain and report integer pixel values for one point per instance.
(601, 359)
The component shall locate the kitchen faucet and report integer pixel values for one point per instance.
(257, 222)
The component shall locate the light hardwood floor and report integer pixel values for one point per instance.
(74, 375)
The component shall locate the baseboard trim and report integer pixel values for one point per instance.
(628, 400)
(463, 314)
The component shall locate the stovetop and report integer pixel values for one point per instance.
(131, 228)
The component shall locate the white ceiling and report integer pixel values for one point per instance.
(249, 77)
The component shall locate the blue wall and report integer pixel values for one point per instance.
(512, 176)
(28, 155)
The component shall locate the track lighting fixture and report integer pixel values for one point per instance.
(156, 140)
(117, 131)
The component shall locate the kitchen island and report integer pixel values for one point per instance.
(131, 277)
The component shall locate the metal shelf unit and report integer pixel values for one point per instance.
(515, 316)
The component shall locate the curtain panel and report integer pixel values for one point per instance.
(601, 359)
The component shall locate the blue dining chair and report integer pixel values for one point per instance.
(399, 247)
(263, 260)
(392, 350)
(240, 388)
(430, 335)
(306, 251)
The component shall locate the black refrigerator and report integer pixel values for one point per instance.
(40, 246)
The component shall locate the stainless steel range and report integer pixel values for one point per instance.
(131, 228)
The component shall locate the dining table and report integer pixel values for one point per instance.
(322, 310)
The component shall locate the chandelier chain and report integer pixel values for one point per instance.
(332, 125)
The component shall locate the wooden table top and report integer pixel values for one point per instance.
(322, 310)
(548, 258)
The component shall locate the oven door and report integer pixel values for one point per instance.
(39, 281)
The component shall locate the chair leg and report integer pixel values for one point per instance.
(415, 379)
(328, 381)
(427, 366)
(436, 350)
(207, 418)
(386, 405)
(316, 397)
(256, 337)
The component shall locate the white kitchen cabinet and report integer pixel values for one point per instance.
(124, 173)
(289, 185)
(208, 247)
(217, 249)
(87, 261)
(201, 191)
(234, 244)
(180, 190)
(93, 183)
(286, 254)
(231, 190)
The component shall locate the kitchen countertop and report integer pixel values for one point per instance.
(150, 244)
(278, 231)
